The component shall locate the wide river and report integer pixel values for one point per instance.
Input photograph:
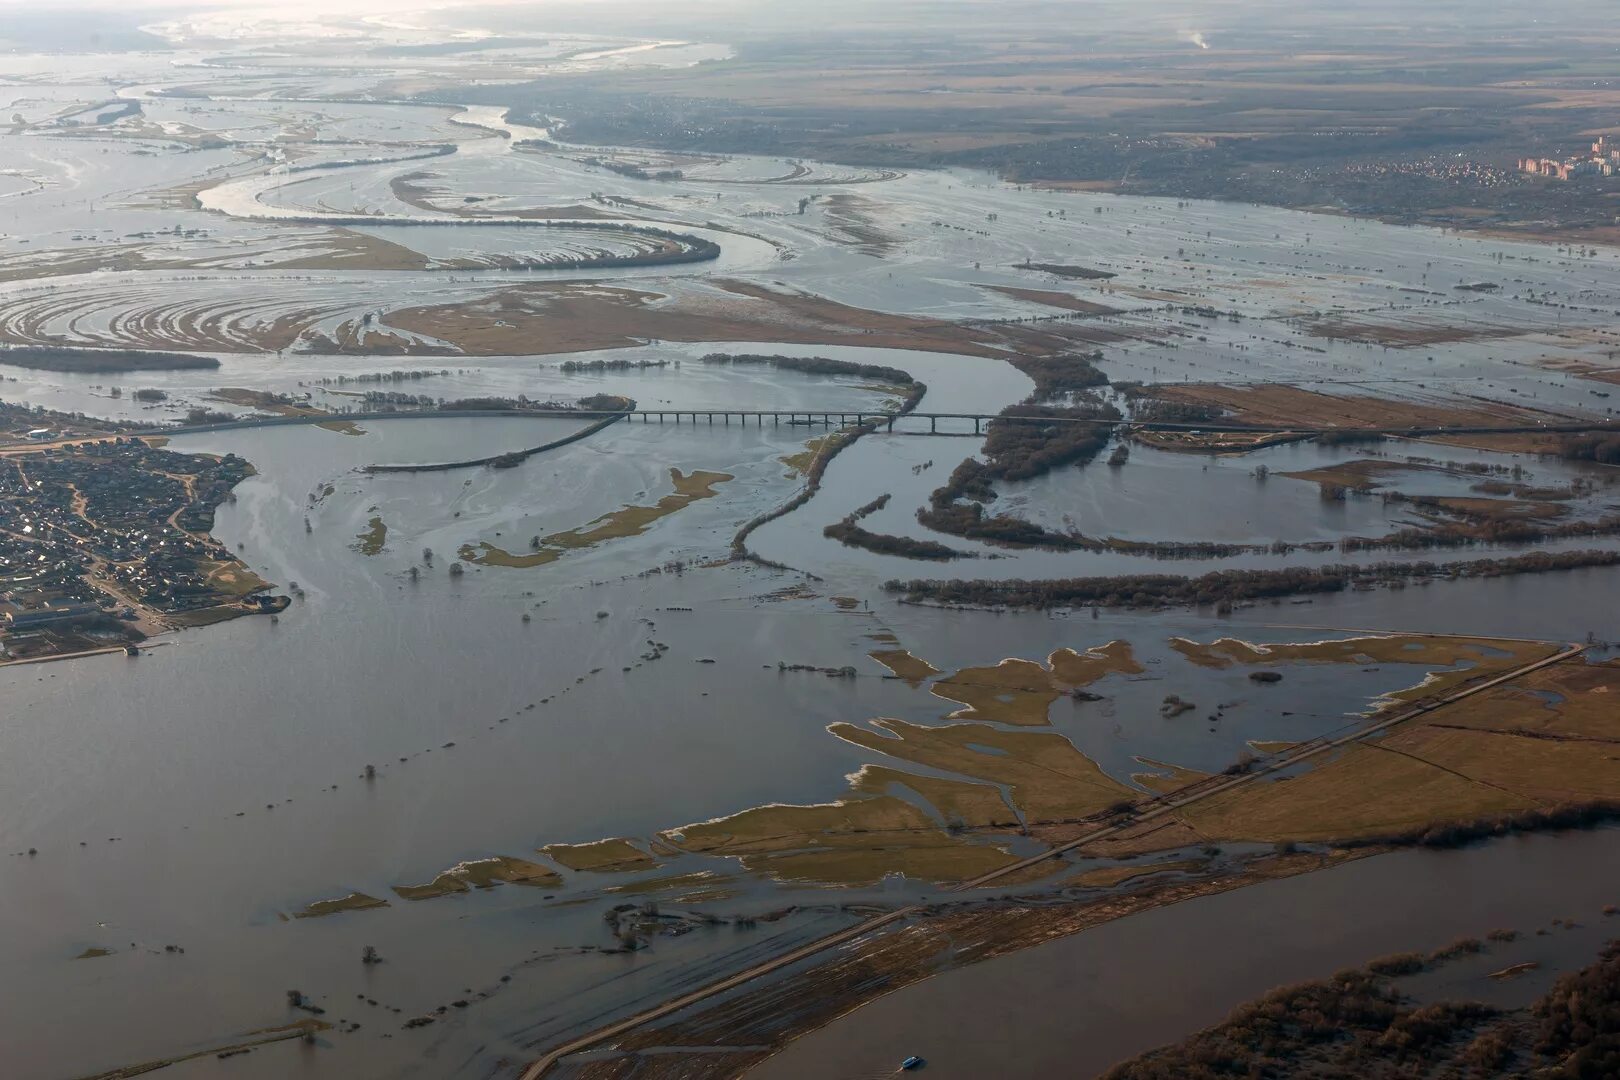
(202, 795)
(1078, 1005)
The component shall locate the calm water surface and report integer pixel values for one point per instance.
(1078, 1005)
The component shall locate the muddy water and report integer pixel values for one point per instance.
(1164, 496)
(1172, 497)
(163, 753)
(215, 782)
(1075, 1006)
(682, 381)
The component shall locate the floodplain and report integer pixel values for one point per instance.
(550, 741)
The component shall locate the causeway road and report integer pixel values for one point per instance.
(1159, 808)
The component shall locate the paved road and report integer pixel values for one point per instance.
(1160, 809)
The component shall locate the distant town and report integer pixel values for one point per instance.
(1602, 161)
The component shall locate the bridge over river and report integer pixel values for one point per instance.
(720, 417)
(896, 422)
(956, 424)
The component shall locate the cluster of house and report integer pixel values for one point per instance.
(1446, 167)
(116, 511)
(1602, 161)
(42, 580)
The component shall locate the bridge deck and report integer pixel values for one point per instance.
(827, 417)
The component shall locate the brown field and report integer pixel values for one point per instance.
(482, 874)
(69, 261)
(1545, 740)
(1359, 474)
(1013, 692)
(233, 579)
(1452, 662)
(1281, 405)
(1366, 790)
(346, 249)
(351, 902)
(701, 879)
(1408, 335)
(555, 318)
(1022, 691)
(799, 463)
(1167, 777)
(853, 220)
(1075, 185)
(413, 190)
(264, 401)
(372, 541)
(574, 317)
(910, 668)
(854, 841)
(1523, 443)
(1066, 301)
(1104, 877)
(626, 521)
(972, 805)
(1213, 442)
(1583, 367)
(316, 248)
(1271, 746)
(1047, 778)
(1074, 669)
(602, 856)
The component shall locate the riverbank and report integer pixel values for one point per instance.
(1076, 1006)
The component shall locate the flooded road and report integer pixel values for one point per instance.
(1076, 1006)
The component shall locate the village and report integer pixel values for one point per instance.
(104, 543)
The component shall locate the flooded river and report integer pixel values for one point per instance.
(1076, 1006)
(566, 651)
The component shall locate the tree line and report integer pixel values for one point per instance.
(1224, 588)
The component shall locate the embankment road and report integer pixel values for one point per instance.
(1156, 808)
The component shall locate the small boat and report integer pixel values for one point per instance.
(912, 1062)
(131, 650)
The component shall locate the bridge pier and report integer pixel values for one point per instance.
(933, 425)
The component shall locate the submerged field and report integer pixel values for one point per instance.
(566, 735)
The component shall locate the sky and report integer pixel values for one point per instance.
(40, 7)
